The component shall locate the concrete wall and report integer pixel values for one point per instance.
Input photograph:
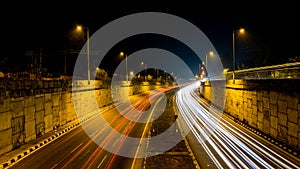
(29, 109)
(272, 106)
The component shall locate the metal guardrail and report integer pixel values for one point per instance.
(282, 71)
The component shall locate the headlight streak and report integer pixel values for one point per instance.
(190, 109)
(187, 115)
(221, 133)
(240, 146)
(123, 125)
(265, 151)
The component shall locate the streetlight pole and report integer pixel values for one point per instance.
(79, 28)
(166, 77)
(145, 72)
(145, 67)
(241, 30)
(199, 65)
(233, 57)
(211, 53)
(126, 65)
(88, 54)
(126, 68)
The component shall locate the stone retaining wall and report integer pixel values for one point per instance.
(29, 109)
(272, 106)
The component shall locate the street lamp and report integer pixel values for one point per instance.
(145, 67)
(210, 53)
(166, 76)
(241, 30)
(79, 28)
(126, 67)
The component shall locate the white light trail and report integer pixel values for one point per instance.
(234, 147)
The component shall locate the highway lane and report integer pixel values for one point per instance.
(80, 148)
(227, 144)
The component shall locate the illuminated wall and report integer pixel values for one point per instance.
(270, 105)
(29, 109)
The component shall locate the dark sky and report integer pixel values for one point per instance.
(272, 35)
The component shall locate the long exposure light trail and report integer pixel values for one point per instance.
(225, 143)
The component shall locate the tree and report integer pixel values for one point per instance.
(295, 59)
(3, 63)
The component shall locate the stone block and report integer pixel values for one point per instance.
(5, 141)
(292, 101)
(56, 115)
(266, 102)
(266, 126)
(273, 110)
(260, 116)
(260, 125)
(30, 133)
(39, 103)
(48, 108)
(282, 132)
(5, 121)
(273, 97)
(293, 141)
(29, 101)
(17, 108)
(282, 106)
(48, 97)
(55, 99)
(254, 121)
(29, 113)
(259, 95)
(266, 113)
(5, 105)
(254, 109)
(282, 119)
(274, 122)
(39, 116)
(260, 106)
(273, 132)
(292, 115)
(40, 129)
(68, 97)
(48, 122)
(292, 129)
(282, 96)
(62, 117)
(17, 125)
(249, 103)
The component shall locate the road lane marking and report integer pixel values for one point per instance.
(67, 155)
(102, 161)
(76, 148)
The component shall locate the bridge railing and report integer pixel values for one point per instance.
(282, 71)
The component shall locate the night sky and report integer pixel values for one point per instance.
(272, 36)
